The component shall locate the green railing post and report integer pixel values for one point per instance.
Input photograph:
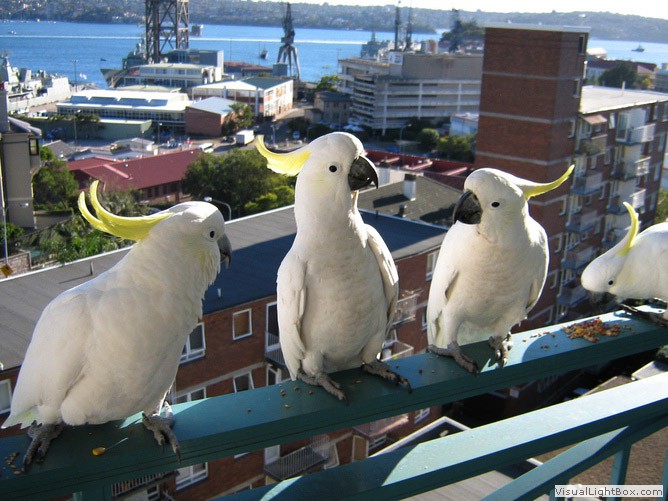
(619, 467)
(99, 494)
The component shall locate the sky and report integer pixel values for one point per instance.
(657, 9)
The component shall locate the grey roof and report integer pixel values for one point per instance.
(433, 201)
(259, 244)
(213, 105)
(595, 98)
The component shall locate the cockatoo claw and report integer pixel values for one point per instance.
(42, 435)
(378, 368)
(652, 317)
(323, 380)
(501, 347)
(455, 351)
(162, 429)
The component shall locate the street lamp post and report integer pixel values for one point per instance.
(229, 209)
(273, 133)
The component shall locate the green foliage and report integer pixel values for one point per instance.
(662, 355)
(239, 178)
(54, 186)
(13, 232)
(428, 139)
(662, 207)
(458, 148)
(318, 130)
(242, 118)
(300, 124)
(623, 73)
(327, 82)
(280, 197)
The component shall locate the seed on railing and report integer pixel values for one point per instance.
(98, 451)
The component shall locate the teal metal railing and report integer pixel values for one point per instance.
(601, 425)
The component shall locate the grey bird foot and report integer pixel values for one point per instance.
(323, 380)
(501, 347)
(659, 320)
(456, 352)
(42, 435)
(162, 428)
(381, 369)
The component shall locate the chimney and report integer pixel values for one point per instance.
(4, 108)
(410, 186)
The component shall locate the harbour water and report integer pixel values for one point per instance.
(80, 50)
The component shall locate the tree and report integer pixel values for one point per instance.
(54, 186)
(661, 214)
(428, 139)
(238, 178)
(13, 232)
(623, 73)
(327, 82)
(457, 148)
(242, 117)
(280, 197)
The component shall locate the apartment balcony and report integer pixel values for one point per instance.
(592, 145)
(635, 135)
(583, 222)
(636, 199)
(631, 169)
(571, 294)
(406, 307)
(303, 460)
(588, 184)
(272, 350)
(371, 431)
(578, 257)
(585, 431)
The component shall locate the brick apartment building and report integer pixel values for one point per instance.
(536, 119)
(235, 347)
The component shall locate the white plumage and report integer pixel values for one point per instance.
(491, 267)
(635, 268)
(338, 286)
(110, 347)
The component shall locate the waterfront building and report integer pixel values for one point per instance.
(267, 96)
(27, 89)
(661, 79)
(386, 95)
(595, 69)
(181, 76)
(164, 108)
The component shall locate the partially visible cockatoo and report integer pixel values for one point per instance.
(110, 347)
(337, 287)
(635, 268)
(491, 267)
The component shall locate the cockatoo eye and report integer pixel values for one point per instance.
(611, 282)
(495, 204)
(212, 234)
(333, 168)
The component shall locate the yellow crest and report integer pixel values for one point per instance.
(533, 189)
(131, 228)
(283, 163)
(633, 230)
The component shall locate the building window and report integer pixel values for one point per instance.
(431, 263)
(243, 382)
(242, 324)
(582, 43)
(191, 474)
(571, 132)
(33, 144)
(5, 396)
(195, 346)
(576, 87)
(189, 396)
(276, 375)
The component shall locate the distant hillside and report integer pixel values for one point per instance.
(242, 12)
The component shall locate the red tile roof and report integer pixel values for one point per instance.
(137, 173)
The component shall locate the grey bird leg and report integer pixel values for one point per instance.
(162, 428)
(323, 380)
(42, 435)
(652, 317)
(501, 346)
(455, 351)
(383, 370)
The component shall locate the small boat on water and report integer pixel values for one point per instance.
(264, 53)
(639, 48)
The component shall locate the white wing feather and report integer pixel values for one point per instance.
(291, 292)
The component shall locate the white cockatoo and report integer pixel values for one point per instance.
(491, 267)
(635, 268)
(110, 347)
(337, 287)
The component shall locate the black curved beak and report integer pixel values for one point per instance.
(362, 173)
(225, 250)
(467, 209)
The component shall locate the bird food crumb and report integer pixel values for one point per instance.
(98, 451)
(592, 330)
